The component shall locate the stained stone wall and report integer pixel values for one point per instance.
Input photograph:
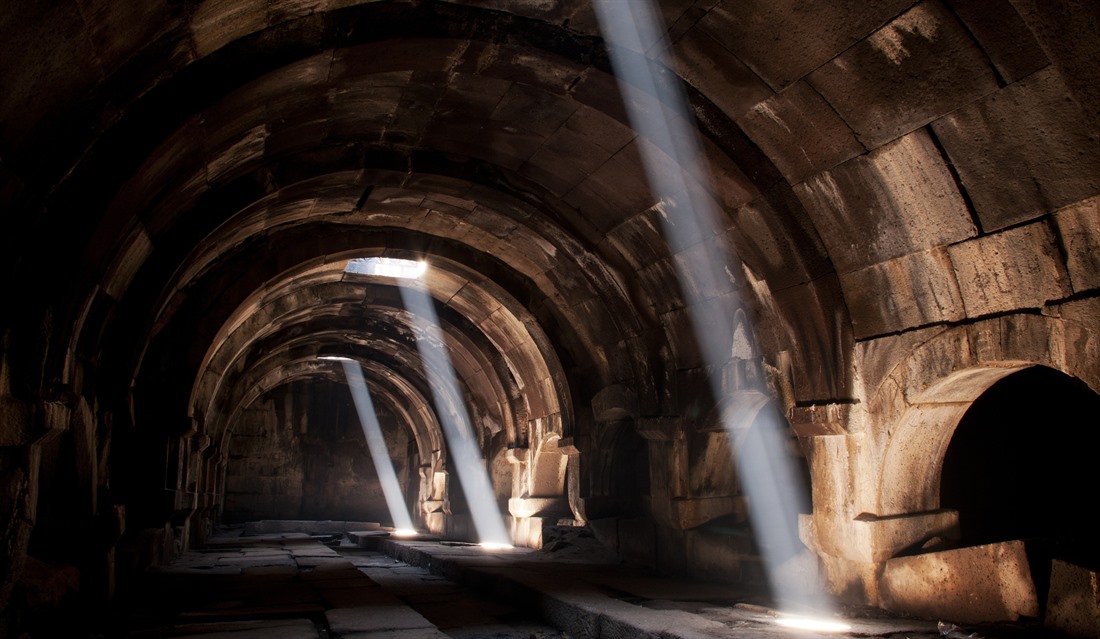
(300, 453)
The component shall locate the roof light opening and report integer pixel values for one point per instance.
(387, 267)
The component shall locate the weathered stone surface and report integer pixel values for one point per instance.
(636, 540)
(1073, 605)
(866, 209)
(800, 132)
(1078, 228)
(874, 294)
(411, 633)
(823, 420)
(993, 277)
(776, 239)
(373, 618)
(1023, 151)
(968, 585)
(710, 67)
(797, 43)
(896, 80)
(51, 60)
(573, 151)
(1004, 36)
(1067, 34)
(285, 628)
(813, 365)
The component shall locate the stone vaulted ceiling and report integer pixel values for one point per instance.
(182, 184)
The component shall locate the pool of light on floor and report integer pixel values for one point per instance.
(815, 624)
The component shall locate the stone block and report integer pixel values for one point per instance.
(1017, 269)
(1073, 604)
(519, 65)
(825, 350)
(692, 512)
(541, 113)
(267, 629)
(1078, 228)
(1023, 151)
(868, 538)
(618, 186)
(908, 73)
(412, 633)
(637, 540)
(724, 557)
(710, 67)
(900, 199)
(606, 531)
(800, 132)
(639, 240)
(215, 23)
(967, 585)
(1003, 35)
(888, 536)
(775, 236)
(801, 36)
(903, 293)
(374, 618)
(704, 272)
(48, 58)
(564, 160)
(819, 420)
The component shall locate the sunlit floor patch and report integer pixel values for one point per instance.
(492, 545)
(815, 624)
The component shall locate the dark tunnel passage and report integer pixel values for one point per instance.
(1022, 465)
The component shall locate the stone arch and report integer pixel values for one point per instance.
(1008, 483)
(927, 393)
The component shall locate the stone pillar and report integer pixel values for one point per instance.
(573, 480)
(668, 453)
(832, 439)
(667, 465)
(854, 543)
(18, 471)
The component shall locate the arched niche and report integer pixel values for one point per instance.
(1021, 465)
(926, 395)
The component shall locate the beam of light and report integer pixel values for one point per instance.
(465, 455)
(376, 444)
(387, 267)
(689, 220)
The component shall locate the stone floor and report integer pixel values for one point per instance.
(294, 586)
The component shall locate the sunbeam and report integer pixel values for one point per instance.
(461, 442)
(376, 444)
(689, 219)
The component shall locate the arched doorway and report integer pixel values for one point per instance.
(1021, 465)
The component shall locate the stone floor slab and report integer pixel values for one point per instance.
(374, 618)
(277, 629)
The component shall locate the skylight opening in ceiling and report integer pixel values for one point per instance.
(387, 267)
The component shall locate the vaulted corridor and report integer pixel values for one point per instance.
(802, 298)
